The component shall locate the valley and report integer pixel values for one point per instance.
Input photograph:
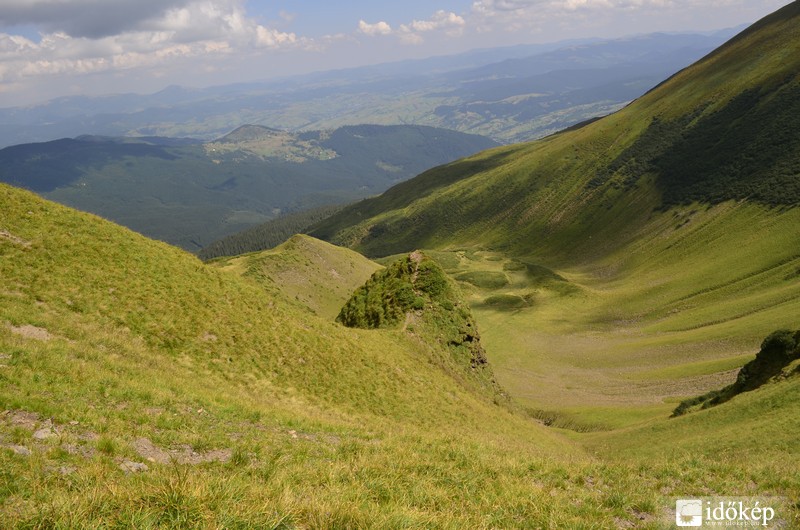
(190, 193)
(575, 332)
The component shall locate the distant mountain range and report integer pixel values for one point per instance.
(509, 94)
(190, 193)
(720, 130)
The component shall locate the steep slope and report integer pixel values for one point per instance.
(192, 193)
(416, 293)
(775, 361)
(671, 224)
(121, 354)
(141, 388)
(724, 124)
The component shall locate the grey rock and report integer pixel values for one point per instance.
(133, 467)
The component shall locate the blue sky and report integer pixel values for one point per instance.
(51, 48)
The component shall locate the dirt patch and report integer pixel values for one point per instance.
(183, 454)
(8, 236)
(21, 418)
(45, 431)
(31, 332)
(42, 430)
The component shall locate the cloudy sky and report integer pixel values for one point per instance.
(51, 48)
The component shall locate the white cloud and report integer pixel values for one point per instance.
(202, 29)
(272, 38)
(379, 28)
(440, 19)
(448, 22)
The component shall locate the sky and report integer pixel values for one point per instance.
(54, 48)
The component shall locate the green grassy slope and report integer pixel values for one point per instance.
(142, 388)
(585, 190)
(315, 274)
(619, 267)
(113, 344)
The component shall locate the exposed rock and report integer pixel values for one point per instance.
(21, 418)
(129, 466)
(20, 450)
(45, 431)
(67, 470)
(14, 239)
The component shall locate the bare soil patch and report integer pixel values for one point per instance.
(31, 332)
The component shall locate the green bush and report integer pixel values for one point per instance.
(780, 348)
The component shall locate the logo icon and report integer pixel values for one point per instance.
(689, 512)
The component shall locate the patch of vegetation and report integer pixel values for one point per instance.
(386, 297)
(538, 274)
(746, 150)
(484, 279)
(47, 166)
(778, 350)
(415, 290)
(742, 151)
(506, 302)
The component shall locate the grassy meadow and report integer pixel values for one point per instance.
(143, 388)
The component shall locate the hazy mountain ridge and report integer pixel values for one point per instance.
(436, 92)
(190, 193)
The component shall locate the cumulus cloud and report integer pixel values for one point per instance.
(272, 38)
(448, 22)
(440, 19)
(379, 28)
(86, 36)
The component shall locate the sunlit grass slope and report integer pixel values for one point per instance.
(634, 261)
(722, 129)
(142, 388)
(621, 267)
(315, 274)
